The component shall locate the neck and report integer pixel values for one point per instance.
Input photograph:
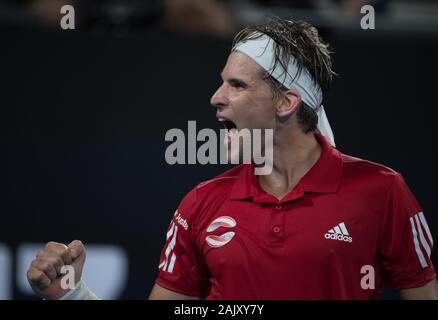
(295, 153)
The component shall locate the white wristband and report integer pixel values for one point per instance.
(81, 292)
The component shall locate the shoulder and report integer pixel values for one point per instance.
(377, 183)
(369, 173)
(365, 167)
(210, 191)
(222, 181)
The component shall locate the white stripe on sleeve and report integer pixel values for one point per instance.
(422, 239)
(172, 263)
(417, 245)
(425, 226)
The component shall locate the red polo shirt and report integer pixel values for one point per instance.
(348, 228)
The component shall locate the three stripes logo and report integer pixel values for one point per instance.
(215, 241)
(168, 264)
(340, 233)
(420, 231)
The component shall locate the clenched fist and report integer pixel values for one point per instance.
(44, 273)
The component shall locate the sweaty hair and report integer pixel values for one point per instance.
(300, 40)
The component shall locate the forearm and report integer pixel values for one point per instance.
(426, 292)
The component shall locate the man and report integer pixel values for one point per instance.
(322, 225)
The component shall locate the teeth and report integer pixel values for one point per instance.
(222, 119)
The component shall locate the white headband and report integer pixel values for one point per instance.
(261, 50)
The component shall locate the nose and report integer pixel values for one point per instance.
(219, 98)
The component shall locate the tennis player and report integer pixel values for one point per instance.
(322, 225)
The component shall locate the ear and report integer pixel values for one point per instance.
(288, 103)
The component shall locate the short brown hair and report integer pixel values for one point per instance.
(302, 41)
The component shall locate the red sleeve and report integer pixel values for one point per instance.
(180, 267)
(406, 242)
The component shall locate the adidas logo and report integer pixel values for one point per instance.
(340, 233)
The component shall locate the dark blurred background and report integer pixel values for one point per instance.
(84, 113)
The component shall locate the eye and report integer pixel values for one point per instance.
(238, 85)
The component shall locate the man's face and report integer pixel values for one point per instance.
(244, 100)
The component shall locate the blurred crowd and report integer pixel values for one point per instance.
(218, 18)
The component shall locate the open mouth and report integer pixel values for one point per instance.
(228, 124)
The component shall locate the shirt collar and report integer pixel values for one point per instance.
(323, 177)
